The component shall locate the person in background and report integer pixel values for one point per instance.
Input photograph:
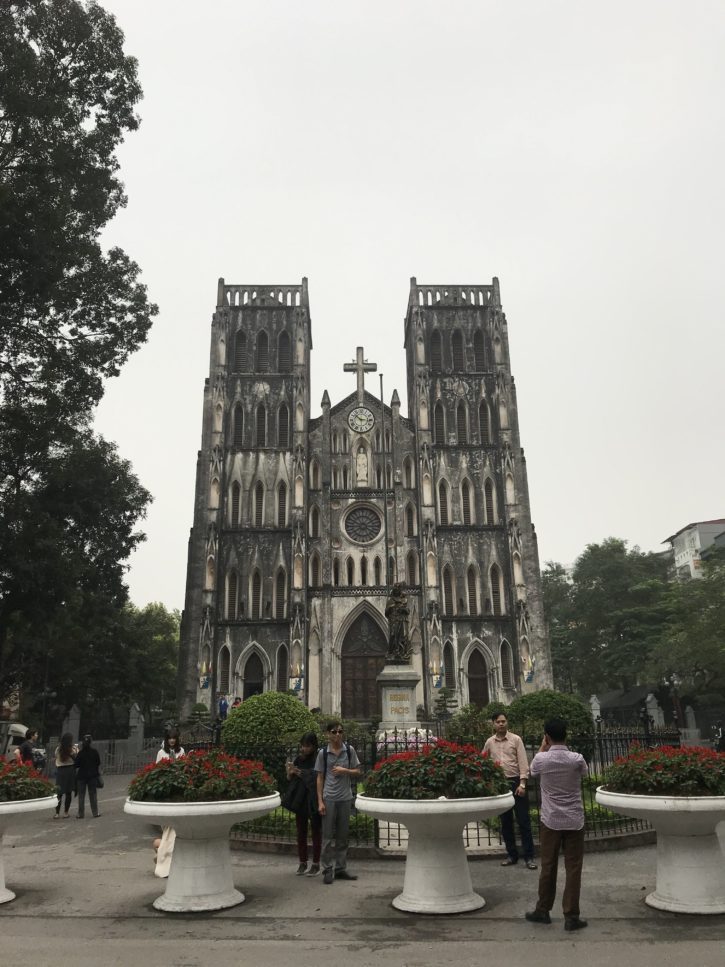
(508, 749)
(65, 773)
(303, 768)
(88, 771)
(560, 774)
(24, 752)
(237, 702)
(164, 845)
(223, 707)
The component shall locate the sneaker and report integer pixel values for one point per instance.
(575, 923)
(314, 870)
(530, 865)
(539, 916)
(329, 876)
(344, 875)
(301, 869)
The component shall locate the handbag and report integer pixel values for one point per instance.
(295, 796)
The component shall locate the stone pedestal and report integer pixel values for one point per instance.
(398, 684)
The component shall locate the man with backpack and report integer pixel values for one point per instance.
(338, 769)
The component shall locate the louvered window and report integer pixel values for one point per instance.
(283, 427)
(439, 424)
(280, 594)
(256, 596)
(484, 423)
(240, 352)
(466, 502)
(436, 354)
(472, 592)
(459, 359)
(479, 352)
(232, 595)
(262, 352)
(488, 499)
(238, 427)
(496, 589)
(284, 352)
(447, 591)
(282, 505)
(443, 502)
(259, 505)
(462, 423)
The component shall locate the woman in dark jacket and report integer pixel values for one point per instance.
(88, 770)
(304, 805)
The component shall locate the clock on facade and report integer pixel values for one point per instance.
(361, 419)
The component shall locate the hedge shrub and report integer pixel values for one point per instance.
(526, 716)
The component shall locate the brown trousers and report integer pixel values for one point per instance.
(551, 841)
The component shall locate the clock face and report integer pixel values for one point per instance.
(361, 420)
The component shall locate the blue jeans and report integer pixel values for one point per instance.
(521, 811)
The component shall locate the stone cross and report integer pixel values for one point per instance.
(360, 366)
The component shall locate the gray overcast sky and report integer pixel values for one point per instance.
(574, 150)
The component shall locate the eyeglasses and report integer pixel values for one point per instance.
(336, 731)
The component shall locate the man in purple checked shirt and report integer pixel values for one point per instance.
(560, 774)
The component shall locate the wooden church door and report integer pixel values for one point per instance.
(363, 658)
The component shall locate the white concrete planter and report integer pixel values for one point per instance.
(437, 878)
(13, 813)
(200, 878)
(690, 858)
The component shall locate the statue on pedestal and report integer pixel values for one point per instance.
(396, 611)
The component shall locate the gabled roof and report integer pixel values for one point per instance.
(718, 520)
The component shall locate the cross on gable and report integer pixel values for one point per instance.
(360, 366)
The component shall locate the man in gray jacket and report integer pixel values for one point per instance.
(338, 769)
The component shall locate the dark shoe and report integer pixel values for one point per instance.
(96, 815)
(328, 877)
(538, 916)
(301, 869)
(575, 923)
(314, 870)
(530, 865)
(344, 875)
(509, 862)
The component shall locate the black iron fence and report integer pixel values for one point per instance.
(599, 748)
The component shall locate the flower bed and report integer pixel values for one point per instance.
(404, 741)
(668, 771)
(201, 777)
(440, 770)
(19, 781)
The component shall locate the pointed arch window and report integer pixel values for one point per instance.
(256, 609)
(459, 358)
(363, 570)
(496, 589)
(334, 443)
(280, 594)
(225, 661)
(388, 442)
(350, 567)
(484, 422)
(232, 595)
(479, 353)
(336, 573)
(449, 668)
(314, 523)
(378, 571)
(284, 352)
(411, 568)
(378, 441)
(282, 505)
(408, 473)
(389, 476)
(448, 596)
(436, 352)
(261, 426)
(466, 503)
(462, 422)
(409, 521)
(472, 582)
(443, 503)
(259, 504)
(262, 352)
(439, 424)
(283, 426)
(489, 503)
(392, 570)
(345, 477)
(282, 669)
(238, 425)
(379, 477)
(345, 440)
(240, 352)
(315, 475)
(236, 504)
(507, 665)
(315, 571)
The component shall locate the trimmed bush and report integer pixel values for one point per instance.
(526, 716)
(267, 727)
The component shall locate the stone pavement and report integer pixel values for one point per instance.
(85, 889)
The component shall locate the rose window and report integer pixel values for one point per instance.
(362, 524)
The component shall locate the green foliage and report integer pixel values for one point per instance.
(200, 777)
(19, 781)
(668, 771)
(605, 622)
(470, 724)
(528, 713)
(443, 769)
(268, 727)
(445, 702)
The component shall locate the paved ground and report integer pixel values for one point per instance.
(85, 889)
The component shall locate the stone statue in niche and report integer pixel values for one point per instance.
(361, 467)
(396, 611)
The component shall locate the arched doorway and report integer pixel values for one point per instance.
(363, 657)
(477, 679)
(253, 676)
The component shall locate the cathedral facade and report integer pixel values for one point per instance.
(301, 525)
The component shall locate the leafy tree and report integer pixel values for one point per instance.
(605, 626)
(691, 652)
